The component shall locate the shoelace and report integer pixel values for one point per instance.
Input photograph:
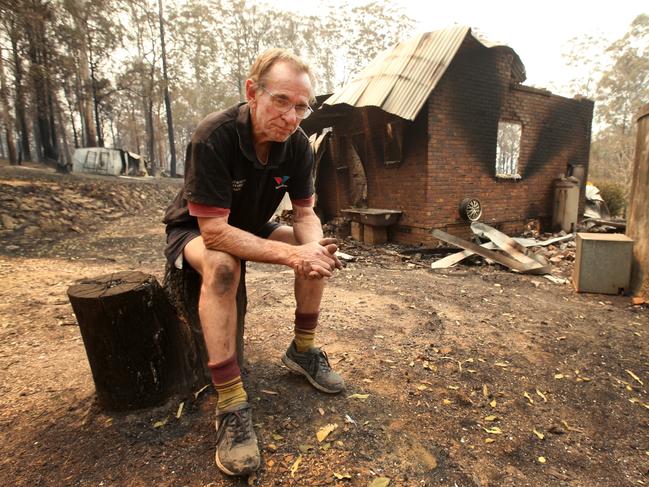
(322, 359)
(237, 420)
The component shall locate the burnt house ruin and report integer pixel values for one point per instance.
(441, 130)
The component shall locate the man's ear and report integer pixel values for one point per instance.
(251, 90)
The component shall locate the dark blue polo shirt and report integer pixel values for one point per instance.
(222, 170)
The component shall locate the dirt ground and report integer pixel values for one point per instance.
(471, 376)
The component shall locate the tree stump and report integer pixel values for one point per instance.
(145, 343)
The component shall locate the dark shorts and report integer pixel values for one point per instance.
(178, 237)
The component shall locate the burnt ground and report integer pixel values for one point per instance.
(460, 366)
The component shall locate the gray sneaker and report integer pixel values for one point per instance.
(237, 452)
(314, 365)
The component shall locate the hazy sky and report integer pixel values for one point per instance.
(538, 31)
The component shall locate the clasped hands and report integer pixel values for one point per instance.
(316, 260)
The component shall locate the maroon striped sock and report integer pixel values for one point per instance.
(226, 377)
(305, 325)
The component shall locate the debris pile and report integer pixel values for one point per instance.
(551, 255)
(518, 254)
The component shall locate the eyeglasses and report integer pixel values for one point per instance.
(283, 105)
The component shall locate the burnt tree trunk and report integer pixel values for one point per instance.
(145, 343)
(20, 104)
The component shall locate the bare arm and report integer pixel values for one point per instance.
(306, 225)
(219, 235)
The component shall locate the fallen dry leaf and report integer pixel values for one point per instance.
(296, 465)
(502, 364)
(542, 459)
(349, 419)
(571, 428)
(446, 402)
(323, 432)
(528, 397)
(493, 431)
(277, 437)
(635, 377)
(485, 390)
(541, 395)
(491, 417)
(558, 376)
(362, 397)
(160, 424)
(198, 392)
(422, 387)
(379, 482)
(635, 400)
(305, 448)
(342, 476)
(179, 412)
(538, 434)
(493, 403)
(489, 440)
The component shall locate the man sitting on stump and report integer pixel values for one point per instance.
(238, 166)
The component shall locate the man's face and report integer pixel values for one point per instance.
(285, 83)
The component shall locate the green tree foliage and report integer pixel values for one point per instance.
(614, 195)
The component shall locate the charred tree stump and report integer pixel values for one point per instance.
(183, 287)
(145, 343)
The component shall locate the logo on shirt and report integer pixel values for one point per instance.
(281, 181)
(237, 184)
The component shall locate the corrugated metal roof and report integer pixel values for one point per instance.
(400, 80)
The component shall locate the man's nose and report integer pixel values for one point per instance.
(291, 116)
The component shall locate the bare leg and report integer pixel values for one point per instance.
(217, 307)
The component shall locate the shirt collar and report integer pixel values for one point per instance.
(278, 150)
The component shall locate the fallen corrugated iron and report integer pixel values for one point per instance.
(400, 80)
(489, 254)
(516, 257)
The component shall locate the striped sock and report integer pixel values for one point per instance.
(305, 324)
(226, 378)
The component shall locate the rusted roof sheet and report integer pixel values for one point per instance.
(400, 80)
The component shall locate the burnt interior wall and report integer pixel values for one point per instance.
(361, 136)
(332, 183)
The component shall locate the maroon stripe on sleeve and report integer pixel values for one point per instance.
(308, 202)
(206, 211)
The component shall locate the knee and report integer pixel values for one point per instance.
(221, 273)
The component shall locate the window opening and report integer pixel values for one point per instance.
(508, 149)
